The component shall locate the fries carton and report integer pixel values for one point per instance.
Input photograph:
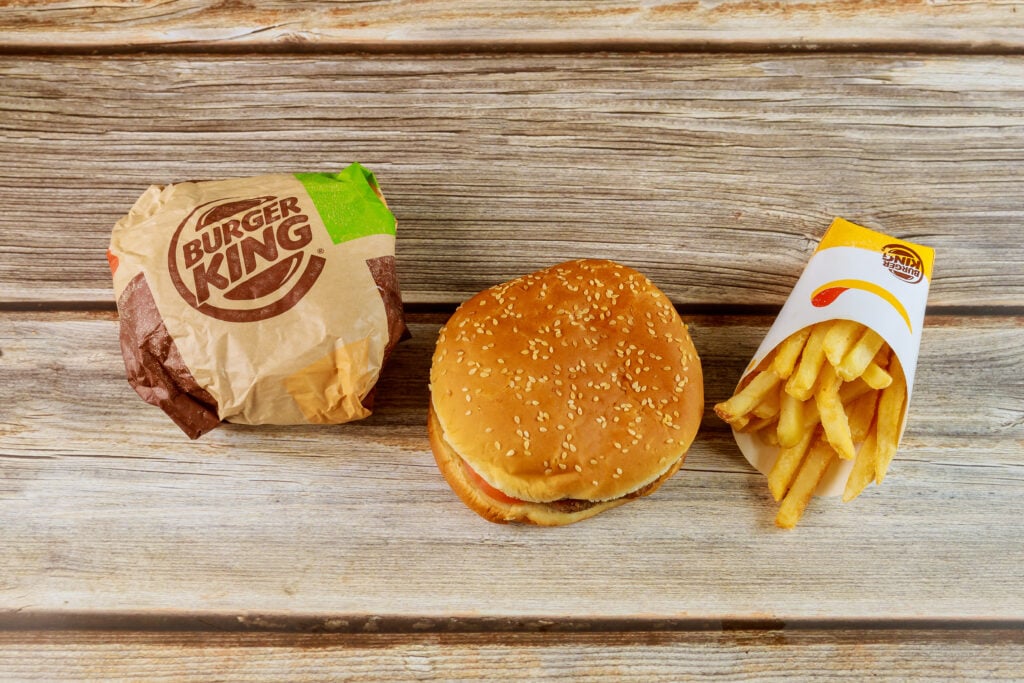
(854, 274)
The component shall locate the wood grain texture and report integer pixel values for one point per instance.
(432, 24)
(715, 175)
(613, 657)
(108, 508)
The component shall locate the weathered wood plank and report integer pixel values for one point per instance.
(108, 508)
(715, 175)
(745, 24)
(735, 655)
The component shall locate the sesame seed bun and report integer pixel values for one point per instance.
(563, 393)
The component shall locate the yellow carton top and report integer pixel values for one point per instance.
(905, 260)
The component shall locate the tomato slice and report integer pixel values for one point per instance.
(482, 485)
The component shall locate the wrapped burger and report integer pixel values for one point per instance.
(265, 300)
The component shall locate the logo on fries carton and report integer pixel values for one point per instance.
(903, 262)
(822, 405)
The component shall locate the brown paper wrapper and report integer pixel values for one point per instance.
(266, 300)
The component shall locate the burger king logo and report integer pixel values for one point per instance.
(903, 262)
(245, 259)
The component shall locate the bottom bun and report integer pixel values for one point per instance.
(558, 513)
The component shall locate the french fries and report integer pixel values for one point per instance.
(890, 414)
(747, 398)
(861, 414)
(831, 391)
(863, 468)
(799, 495)
(875, 377)
(790, 430)
(856, 360)
(833, 416)
(769, 406)
(788, 353)
(801, 382)
(839, 339)
(786, 465)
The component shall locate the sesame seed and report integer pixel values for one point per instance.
(577, 468)
(594, 482)
(562, 466)
(510, 452)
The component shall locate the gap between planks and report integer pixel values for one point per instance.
(256, 622)
(565, 48)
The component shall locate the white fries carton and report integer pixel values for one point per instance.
(855, 274)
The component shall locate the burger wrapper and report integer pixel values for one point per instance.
(855, 274)
(266, 300)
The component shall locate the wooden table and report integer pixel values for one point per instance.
(707, 144)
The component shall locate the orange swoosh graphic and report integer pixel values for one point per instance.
(827, 293)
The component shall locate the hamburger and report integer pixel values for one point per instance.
(563, 393)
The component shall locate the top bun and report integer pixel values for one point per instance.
(578, 381)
